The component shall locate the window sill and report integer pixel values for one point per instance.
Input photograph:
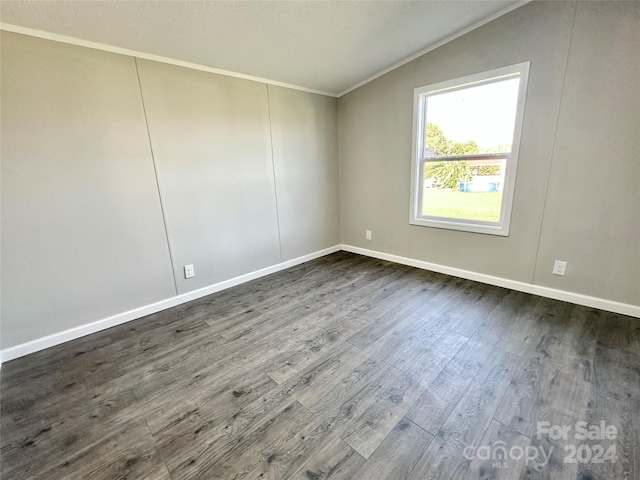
(462, 226)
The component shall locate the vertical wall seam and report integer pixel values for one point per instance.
(553, 144)
(339, 162)
(158, 183)
(273, 169)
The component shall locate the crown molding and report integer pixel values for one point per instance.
(7, 27)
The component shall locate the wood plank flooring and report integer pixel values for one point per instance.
(345, 367)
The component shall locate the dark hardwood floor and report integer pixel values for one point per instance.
(345, 367)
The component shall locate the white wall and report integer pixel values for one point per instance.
(592, 207)
(247, 174)
(212, 145)
(581, 116)
(83, 233)
(305, 134)
(82, 230)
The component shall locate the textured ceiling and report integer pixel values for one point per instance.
(321, 45)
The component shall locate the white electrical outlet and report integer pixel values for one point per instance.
(367, 234)
(189, 272)
(559, 267)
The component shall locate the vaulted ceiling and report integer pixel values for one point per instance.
(328, 46)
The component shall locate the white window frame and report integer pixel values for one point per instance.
(418, 159)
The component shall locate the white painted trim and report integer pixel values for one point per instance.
(420, 96)
(171, 61)
(93, 327)
(577, 298)
(99, 325)
(432, 47)
(148, 56)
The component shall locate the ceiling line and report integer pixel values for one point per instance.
(438, 44)
(148, 56)
(195, 66)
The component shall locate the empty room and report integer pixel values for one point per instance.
(359, 240)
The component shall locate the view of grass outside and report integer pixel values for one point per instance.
(466, 149)
(445, 202)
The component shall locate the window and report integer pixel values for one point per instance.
(465, 150)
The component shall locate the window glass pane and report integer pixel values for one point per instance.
(476, 119)
(466, 147)
(471, 120)
(469, 190)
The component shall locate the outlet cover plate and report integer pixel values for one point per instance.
(189, 272)
(559, 267)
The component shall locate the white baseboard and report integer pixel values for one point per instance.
(93, 327)
(577, 298)
(77, 332)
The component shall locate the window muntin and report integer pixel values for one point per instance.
(466, 138)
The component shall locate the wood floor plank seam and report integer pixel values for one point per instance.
(344, 367)
(463, 393)
(466, 390)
